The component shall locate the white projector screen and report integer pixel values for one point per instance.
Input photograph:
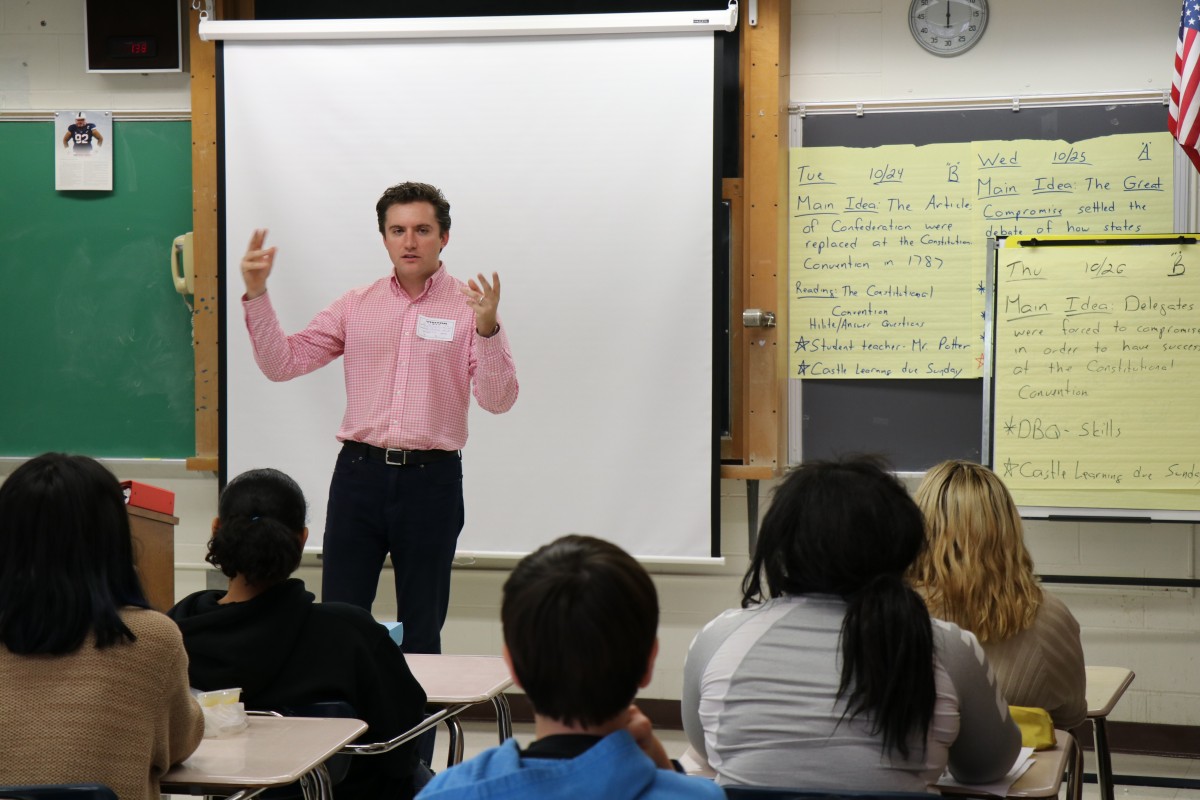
(578, 167)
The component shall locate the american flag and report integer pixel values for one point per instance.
(1182, 120)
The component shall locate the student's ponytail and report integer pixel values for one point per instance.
(259, 527)
(260, 548)
(887, 661)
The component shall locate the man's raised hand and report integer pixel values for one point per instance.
(256, 264)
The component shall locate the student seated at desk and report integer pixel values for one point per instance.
(267, 636)
(977, 574)
(93, 683)
(832, 675)
(580, 620)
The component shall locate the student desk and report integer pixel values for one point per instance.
(459, 682)
(273, 751)
(1044, 778)
(1105, 686)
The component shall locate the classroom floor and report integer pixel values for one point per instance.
(482, 735)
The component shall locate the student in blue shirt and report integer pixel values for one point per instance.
(580, 619)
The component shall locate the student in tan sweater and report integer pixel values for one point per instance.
(93, 684)
(977, 573)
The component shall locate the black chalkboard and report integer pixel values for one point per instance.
(97, 349)
(917, 423)
(844, 417)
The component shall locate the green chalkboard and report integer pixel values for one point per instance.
(95, 344)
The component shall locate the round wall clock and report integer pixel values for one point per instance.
(947, 27)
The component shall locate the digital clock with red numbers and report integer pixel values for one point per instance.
(132, 47)
(134, 35)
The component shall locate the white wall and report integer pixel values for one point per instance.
(843, 50)
(42, 65)
(858, 50)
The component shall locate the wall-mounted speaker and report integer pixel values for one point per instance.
(134, 36)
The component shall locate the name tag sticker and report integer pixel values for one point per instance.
(434, 329)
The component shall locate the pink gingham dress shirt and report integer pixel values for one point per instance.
(409, 363)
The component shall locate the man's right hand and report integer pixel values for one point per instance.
(256, 264)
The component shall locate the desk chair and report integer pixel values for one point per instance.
(62, 791)
(1043, 780)
(777, 793)
(1105, 686)
(318, 785)
(1075, 776)
(1067, 757)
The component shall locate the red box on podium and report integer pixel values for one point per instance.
(151, 498)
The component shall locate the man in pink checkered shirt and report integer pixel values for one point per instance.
(415, 346)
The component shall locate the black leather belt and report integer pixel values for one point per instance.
(401, 458)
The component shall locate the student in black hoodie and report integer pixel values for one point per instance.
(268, 636)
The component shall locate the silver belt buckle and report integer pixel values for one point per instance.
(401, 454)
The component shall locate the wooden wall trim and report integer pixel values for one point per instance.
(204, 244)
(205, 329)
(764, 70)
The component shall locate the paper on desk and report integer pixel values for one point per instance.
(1000, 787)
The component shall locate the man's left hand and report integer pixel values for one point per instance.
(483, 298)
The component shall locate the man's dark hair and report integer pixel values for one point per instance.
(66, 557)
(260, 517)
(413, 192)
(580, 617)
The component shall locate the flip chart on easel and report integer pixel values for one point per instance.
(1096, 363)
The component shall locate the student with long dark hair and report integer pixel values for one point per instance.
(93, 684)
(267, 636)
(832, 674)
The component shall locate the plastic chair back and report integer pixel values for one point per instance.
(778, 793)
(59, 791)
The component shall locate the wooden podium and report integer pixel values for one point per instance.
(154, 554)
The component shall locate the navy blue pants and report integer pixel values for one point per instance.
(413, 514)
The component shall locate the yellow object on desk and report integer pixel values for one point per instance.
(1037, 729)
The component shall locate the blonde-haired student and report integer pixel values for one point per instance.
(977, 573)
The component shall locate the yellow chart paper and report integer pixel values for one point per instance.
(888, 246)
(1097, 360)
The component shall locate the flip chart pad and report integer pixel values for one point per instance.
(918, 421)
(889, 244)
(1097, 353)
